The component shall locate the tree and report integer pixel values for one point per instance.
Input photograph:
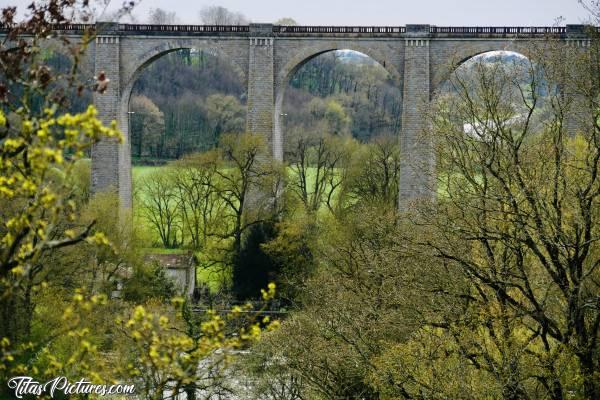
(225, 114)
(217, 15)
(243, 174)
(49, 245)
(286, 21)
(255, 267)
(294, 249)
(160, 204)
(337, 118)
(375, 174)
(494, 286)
(148, 126)
(247, 183)
(199, 204)
(365, 293)
(34, 199)
(158, 16)
(317, 170)
(518, 215)
(169, 356)
(41, 145)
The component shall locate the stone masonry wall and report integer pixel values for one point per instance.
(106, 160)
(266, 60)
(259, 117)
(416, 162)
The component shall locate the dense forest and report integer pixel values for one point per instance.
(343, 93)
(182, 103)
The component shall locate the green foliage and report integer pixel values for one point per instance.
(225, 115)
(147, 281)
(81, 176)
(374, 175)
(487, 292)
(350, 307)
(216, 278)
(518, 195)
(64, 253)
(162, 348)
(147, 127)
(210, 201)
(159, 206)
(293, 248)
(40, 145)
(255, 268)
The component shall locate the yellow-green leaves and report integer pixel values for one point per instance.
(268, 294)
(36, 147)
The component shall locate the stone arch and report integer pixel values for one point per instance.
(127, 81)
(307, 54)
(294, 63)
(455, 55)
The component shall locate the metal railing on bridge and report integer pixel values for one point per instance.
(338, 29)
(73, 27)
(448, 31)
(495, 30)
(183, 28)
(148, 28)
(56, 27)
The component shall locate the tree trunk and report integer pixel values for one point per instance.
(16, 318)
(591, 385)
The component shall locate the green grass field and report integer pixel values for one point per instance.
(139, 172)
(212, 277)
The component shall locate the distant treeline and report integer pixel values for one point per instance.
(184, 101)
(348, 91)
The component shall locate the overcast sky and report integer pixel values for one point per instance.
(377, 12)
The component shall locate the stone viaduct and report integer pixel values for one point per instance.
(418, 57)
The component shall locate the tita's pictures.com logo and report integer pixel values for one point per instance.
(26, 385)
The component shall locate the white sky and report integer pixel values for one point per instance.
(376, 12)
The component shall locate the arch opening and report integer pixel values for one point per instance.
(338, 92)
(493, 105)
(506, 85)
(180, 101)
(338, 113)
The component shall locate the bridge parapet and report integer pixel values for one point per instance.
(338, 29)
(186, 29)
(261, 29)
(496, 31)
(367, 31)
(418, 30)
